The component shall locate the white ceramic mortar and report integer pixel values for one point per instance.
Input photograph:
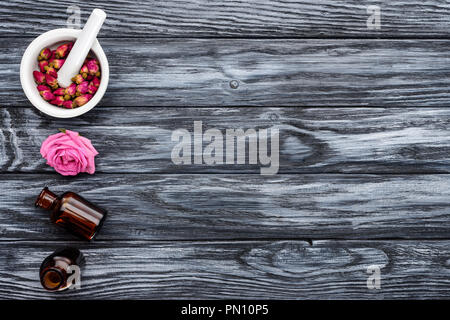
(52, 39)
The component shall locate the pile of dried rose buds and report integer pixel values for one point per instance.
(84, 85)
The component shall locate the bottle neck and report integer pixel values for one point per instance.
(54, 270)
(46, 199)
(53, 278)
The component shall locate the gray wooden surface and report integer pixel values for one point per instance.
(236, 18)
(240, 206)
(312, 140)
(271, 72)
(364, 141)
(236, 270)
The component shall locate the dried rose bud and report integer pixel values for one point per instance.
(62, 51)
(78, 79)
(57, 63)
(51, 81)
(89, 77)
(42, 64)
(67, 97)
(91, 88)
(57, 101)
(84, 69)
(52, 57)
(82, 87)
(68, 104)
(39, 77)
(59, 92)
(90, 59)
(42, 87)
(70, 90)
(93, 67)
(44, 54)
(96, 82)
(82, 100)
(51, 71)
(47, 95)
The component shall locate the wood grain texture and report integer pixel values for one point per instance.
(197, 72)
(312, 140)
(225, 231)
(221, 206)
(237, 270)
(237, 18)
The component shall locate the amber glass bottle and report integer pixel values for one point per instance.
(72, 212)
(53, 272)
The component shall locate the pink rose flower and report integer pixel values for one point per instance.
(69, 153)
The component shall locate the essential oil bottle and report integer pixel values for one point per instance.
(72, 212)
(54, 273)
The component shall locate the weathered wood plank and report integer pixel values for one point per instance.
(236, 270)
(197, 72)
(312, 140)
(263, 18)
(213, 206)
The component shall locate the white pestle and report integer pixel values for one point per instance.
(80, 50)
